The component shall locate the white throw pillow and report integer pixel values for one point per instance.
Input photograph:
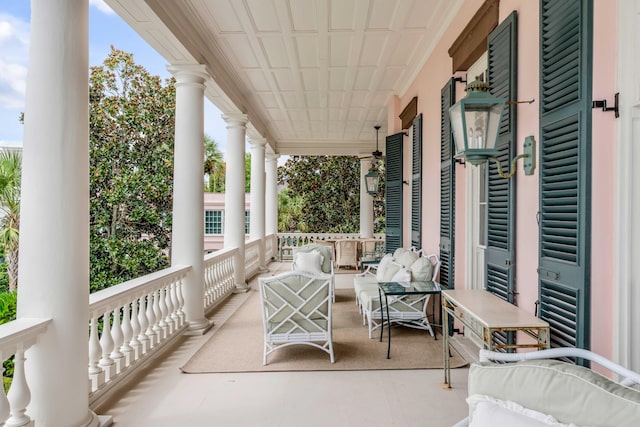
(383, 265)
(311, 262)
(422, 270)
(391, 271)
(403, 275)
(406, 258)
(488, 411)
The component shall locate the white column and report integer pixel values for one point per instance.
(366, 203)
(54, 224)
(257, 195)
(234, 193)
(271, 201)
(187, 244)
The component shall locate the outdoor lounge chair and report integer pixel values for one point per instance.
(296, 308)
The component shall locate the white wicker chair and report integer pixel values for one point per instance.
(296, 308)
(326, 266)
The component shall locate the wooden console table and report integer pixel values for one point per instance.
(483, 313)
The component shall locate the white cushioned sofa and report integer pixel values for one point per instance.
(404, 265)
(540, 391)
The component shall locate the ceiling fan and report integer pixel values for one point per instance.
(377, 155)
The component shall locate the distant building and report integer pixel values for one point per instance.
(214, 220)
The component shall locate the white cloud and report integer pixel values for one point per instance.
(14, 48)
(101, 6)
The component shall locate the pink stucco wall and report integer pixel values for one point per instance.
(427, 86)
(215, 202)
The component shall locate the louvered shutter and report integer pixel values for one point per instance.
(416, 184)
(502, 79)
(447, 187)
(565, 161)
(393, 192)
(500, 253)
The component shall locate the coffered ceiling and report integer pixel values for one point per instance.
(314, 76)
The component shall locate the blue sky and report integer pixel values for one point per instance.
(105, 29)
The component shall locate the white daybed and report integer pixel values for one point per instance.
(539, 391)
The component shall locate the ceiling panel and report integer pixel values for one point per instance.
(304, 71)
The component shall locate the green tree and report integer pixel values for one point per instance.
(214, 166)
(330, 188)
(10, 174)
(247, 173)
(131, 170)
(290, 213)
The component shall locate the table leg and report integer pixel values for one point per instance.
(381, 314)
(445, 343)
(386, 304)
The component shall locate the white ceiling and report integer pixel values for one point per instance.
(314, 76)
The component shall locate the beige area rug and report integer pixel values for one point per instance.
(238, 345)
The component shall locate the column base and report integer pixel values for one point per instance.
(198, 327)
(242, 287)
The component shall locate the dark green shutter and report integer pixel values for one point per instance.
(393, 192)
(416, 184)
(566, 29)
(447, 187)
(502, 76)
(502, 79)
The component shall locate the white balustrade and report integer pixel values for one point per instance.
(16, 337)
(129, 322)
(133, 320)
(218, 277)
(251, 257)
(288, 241)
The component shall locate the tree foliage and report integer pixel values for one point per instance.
(214, 166)
(10, 175)
(329, 186)
(131, 170)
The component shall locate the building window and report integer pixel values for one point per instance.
(212, 222)
(247, 217)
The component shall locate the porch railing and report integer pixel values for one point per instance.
(288, 241)
(15, 338)
(132, 321)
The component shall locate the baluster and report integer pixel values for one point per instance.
(19, 394)
(162, 306)
(144, 324)
(157, 324)
(174, 311)
(153, 338)
(95, 372)
(5, 409)
(106, 342)
(167, 299)
(135, 331)
(127, 333)
(180, 300)
(118, 339)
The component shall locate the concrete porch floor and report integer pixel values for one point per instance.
(164, 396)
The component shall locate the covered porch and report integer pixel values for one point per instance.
(164, 396)
(356, 64)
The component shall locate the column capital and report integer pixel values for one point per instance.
(235, 120)
(257, 141)
(271, 157)
(189, 74)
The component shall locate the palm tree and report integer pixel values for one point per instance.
(10, 172)
(214, 165)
